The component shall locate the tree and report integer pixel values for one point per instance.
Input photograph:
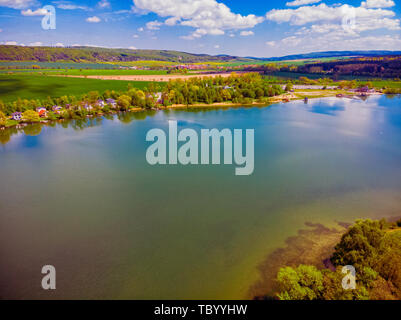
(124, 102)
(359, 246)
(301, 283)
(30, 116)
(3, 119)
(288, 87)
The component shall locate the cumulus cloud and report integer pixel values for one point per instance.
(38, 12)
(67, 5)
(104, 4)
(36, 44)
(298, 3)
(337, 27)
(323, 12)
(378, 4)
(93, 19)
(246, 33)
(208, 17)
(17, 4)
(154, 25)
(59, 45)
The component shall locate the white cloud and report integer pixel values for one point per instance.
(36, 44)
(172, 21)
(11, 43)
(154, 25)
(337, 27)
(135, 36)
(378, 4)
(38, 12)
(141, 29)
(104, 4)
(93, 19)
(208, 17)
(132, 48)
(247, 33)
(17, 4)
(66, 5)
(217, 46)
(59, 45)
(298, 3)
(334, 41)
(365, 19)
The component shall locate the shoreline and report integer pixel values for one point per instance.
(284, 98)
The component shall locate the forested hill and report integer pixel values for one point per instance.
(89, 54)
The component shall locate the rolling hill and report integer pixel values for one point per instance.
(89, 54)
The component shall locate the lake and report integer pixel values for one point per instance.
(81, 196)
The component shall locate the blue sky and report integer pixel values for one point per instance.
(244, 28)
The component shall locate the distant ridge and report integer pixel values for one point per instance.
(331, 54)
(91, 54)
(96, 54)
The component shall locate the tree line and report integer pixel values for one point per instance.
(238, 89)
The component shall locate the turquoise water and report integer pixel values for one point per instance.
(81, 197)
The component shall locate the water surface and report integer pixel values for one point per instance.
(81, 197)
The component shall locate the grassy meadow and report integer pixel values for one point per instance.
(13, 87)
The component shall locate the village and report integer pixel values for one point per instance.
(292, 92)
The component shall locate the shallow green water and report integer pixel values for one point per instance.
(83, 198)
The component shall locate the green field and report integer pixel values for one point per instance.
(280, 62)
(57, 65)
(41, 87)
(386, 84)
(112, 72)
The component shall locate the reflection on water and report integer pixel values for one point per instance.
(79, 195)
(75, 124)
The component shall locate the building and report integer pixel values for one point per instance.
(17, 116)
(100, 103)
(57, 109)
(42, 111)
(111, 102)
(88, 107)
(365, 89)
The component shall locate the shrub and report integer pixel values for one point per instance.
(30, 116)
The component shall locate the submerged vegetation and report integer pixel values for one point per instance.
(373, 248)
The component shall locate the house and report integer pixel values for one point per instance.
(159, 98)
(88, 107)
(100, 103)
(365, 89)
(57, 109)
(42, 111)
(17, 116)
(111, 102)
